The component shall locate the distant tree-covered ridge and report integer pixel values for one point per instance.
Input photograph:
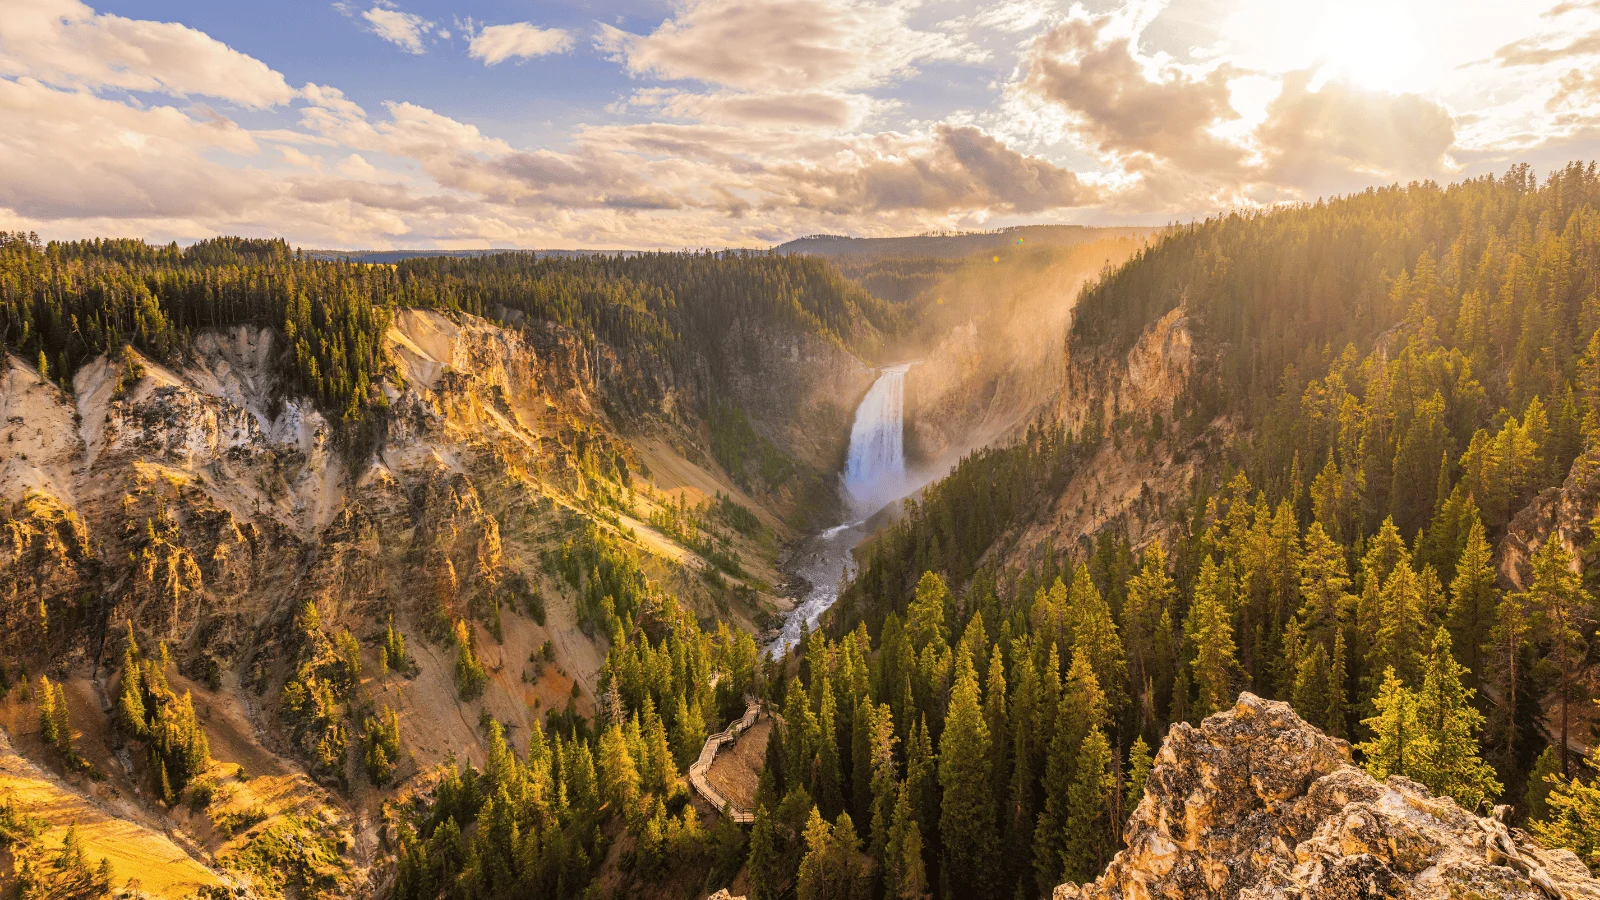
(62, 304)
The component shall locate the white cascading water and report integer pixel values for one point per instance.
(876, 471)
(874, 475)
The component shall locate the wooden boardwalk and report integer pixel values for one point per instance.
(708, 754)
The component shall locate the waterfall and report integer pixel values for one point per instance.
(874, 475)
(876, 471)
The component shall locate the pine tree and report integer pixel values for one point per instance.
(1151, 595)
(1474, 599)
(1140, 762)
(969, 867)
(130, 713)
(827, 784)
(618, 772)
(922, 790)
(1090, 829)
(765, 861)
(1507, 641)
(1447, 755)
(1561, 609)
(1397, 642)
(1338, 707)
(1082, 711)
(925, 620)
(1021, 808)
(688, 732)
(1392, 749)
(49, 714)
(470, 674)
(1535, 803)
(1573, 821)
(1312, 686)
(994, 716)
(904, 875)
(1209, 628)
(863, 728)
(1095, 634)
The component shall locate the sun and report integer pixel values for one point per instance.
(1377, 44)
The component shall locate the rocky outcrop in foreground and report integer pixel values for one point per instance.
(1257, 804)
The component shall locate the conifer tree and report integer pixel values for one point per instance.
(1560, 609)
(688, 732)
(1209, 628)
(1338, 706)
(1474, 598)
(1095, 634)
(863, 728)
(922, 788)
(1082, 711)
(50, 714)
(1021, 808)
(618, 772)
(925, 620)
(765, 861)
(1535, 803)
(1573, 819)
(1312, 686)
(1447, 755)
(827, 785)
(884, 784)
(1151, 595)
(1090, 828)
(1397, 642)
(994, 716)
(1507, 640)
(1393, 747)
(1140, 762)
(470, 674)
(904, 875)
(967, 817)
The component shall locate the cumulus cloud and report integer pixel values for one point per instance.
(1342, 136)
(787, 45)
(1122, 107)
(67, 44)
(520, 40)
(71, 153)
(956, 168)
(402, 29)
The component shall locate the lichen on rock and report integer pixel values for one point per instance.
(1256, 804)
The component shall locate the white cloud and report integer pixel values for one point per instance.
(520, 40)
(67, 44)
(1344, 137)
(783, 45)
(402, 29)
(754, 120)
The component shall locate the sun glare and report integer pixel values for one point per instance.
(1374, 43)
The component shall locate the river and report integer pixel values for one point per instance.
(874, 476)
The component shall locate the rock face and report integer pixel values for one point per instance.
(1256, 804)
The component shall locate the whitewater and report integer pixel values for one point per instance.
(874, 476)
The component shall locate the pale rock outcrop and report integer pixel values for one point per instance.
(1256, 804)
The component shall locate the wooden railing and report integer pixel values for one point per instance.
(701, 767)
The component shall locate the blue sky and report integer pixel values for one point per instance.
(689, 123)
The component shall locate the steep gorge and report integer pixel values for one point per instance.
(197, 506)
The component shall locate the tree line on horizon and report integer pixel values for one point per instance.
(64, 303)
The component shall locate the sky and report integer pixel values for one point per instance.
(636, 124)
